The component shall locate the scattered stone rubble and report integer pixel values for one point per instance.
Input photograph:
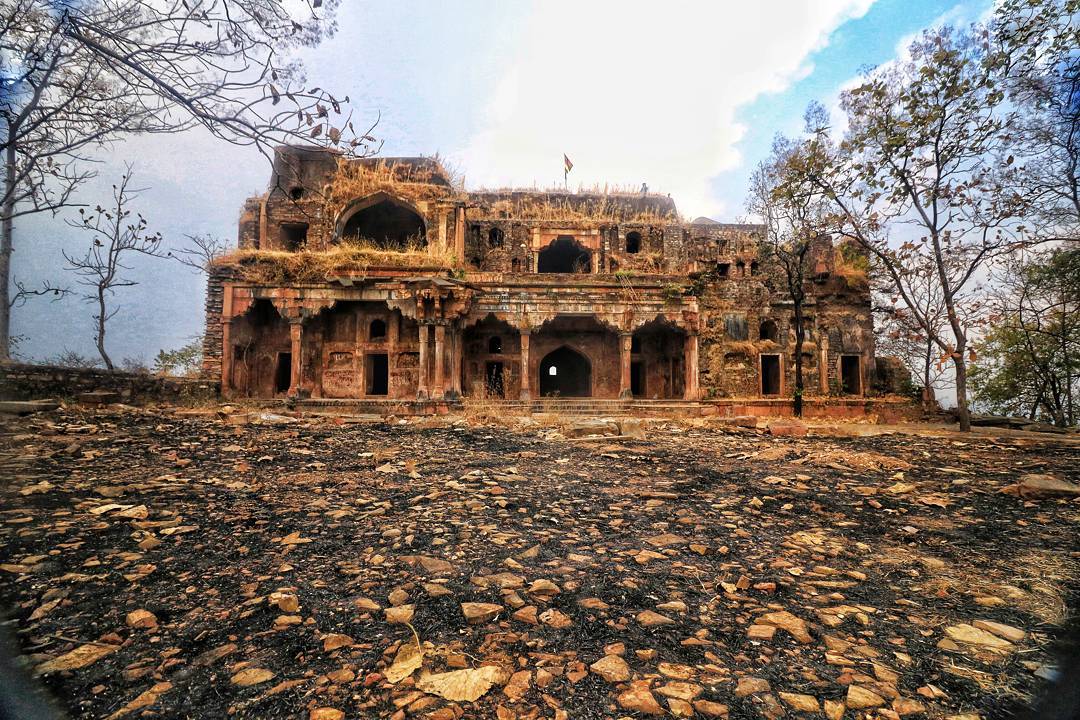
(176, 565)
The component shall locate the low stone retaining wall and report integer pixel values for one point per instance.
(20, 381)
(887, 410)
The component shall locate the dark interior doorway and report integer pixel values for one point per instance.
(386, 224)
(564, 256)
(637, 379)
(493, 379)
(566, 373)
(283, 373)
(850, 377)
(378, 374)
(770, 374)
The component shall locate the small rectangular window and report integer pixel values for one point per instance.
(293, 236)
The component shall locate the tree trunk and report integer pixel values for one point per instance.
(101, 329)
(7, 228)
(962, 411)
(800, 335)
(927, 360)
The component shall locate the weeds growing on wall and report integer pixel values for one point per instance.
(357, 256)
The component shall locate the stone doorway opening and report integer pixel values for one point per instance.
(564, 255)
(637, 378)
(850, 375)
(493, 383)
(565, 372)
(283, 373)
(770, 374)
(378, 374)
(658, 348)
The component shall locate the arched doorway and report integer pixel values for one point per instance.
(261, 363)
(384, 222)
(564, 255)
(565, 372)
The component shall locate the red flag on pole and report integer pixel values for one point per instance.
(567, 164)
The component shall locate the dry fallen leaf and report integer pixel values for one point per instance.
(251, 676)
(80, 657)
(460, 685)
(407, 661)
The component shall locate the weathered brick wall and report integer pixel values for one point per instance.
(27, 382)
(212, 339)
(739, 289)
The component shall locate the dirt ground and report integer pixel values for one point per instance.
(154, 564)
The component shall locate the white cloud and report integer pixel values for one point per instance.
(635, 95)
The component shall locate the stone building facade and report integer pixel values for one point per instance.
(380, 278)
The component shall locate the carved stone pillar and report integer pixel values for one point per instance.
(439, 390)
(455, 364)
(526, 392)
(625, 345)
(226, 358)
(690, 385)
(823, 363)
(296, 336)
(422, 377)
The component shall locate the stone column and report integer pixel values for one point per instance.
(422, 371)
(625, 344)
(226, 358)
(455, 365)
(526, 392)
(823, 363)
(690, 385)
(439, 390)
(296, 333)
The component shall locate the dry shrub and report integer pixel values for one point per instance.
(1035, 582)
(832, 457)
(274, 267)
(851, 265)
(747, 348)
(598, 209)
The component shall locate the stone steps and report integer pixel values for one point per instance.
(559, 406)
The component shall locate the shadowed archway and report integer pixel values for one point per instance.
(564, 255)
(385, 222)
(565, 372)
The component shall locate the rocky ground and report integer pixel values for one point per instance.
(161, 565)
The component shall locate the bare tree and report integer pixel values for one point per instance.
(900, 333)
(920, 181)
(115, 236)
(793, 212)
(76, 75)
(1037, 45)
(46, 289)
(201, 252)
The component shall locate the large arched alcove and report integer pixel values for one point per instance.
(261, 352)
(566, 373)
(385, 222)
(492, 366)
(564, 255)
(658, 363)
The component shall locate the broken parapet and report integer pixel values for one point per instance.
(20, 381)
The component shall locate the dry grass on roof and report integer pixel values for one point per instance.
(413, 184)
(597, 210)
(274, 267)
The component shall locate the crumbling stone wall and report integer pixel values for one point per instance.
(29, 382)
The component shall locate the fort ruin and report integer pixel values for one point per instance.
(381, 279)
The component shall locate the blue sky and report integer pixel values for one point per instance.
(684, 96)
